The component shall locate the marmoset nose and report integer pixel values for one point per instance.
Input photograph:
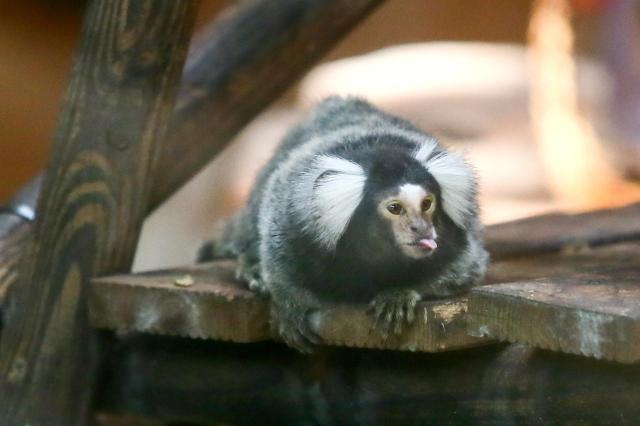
(419, 228)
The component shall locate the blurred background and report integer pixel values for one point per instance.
(544, 101)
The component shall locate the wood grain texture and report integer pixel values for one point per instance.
(15, 231)
(554, 232)
(581, 261)
(440, 326)
(14, 237)
(585, 303)
(267, 384)
(93, 201)
(217, 307)
(546, 300)
(214, 307)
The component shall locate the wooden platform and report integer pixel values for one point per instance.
(585, 302)
(217, 307)
(577, 290)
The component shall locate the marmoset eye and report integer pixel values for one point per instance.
(428, 204)
(395, 208)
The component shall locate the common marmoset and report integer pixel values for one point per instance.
(356, 206)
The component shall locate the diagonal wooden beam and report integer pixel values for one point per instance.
(239, 65)
(94, 199)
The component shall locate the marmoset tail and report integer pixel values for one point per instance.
(357, 206)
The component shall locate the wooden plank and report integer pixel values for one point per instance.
(213, 307)
(554, 232)
(267, 384)
(92, 204)
(609, 259)
(350, 326)
(440, 326)
(216, 307)
(585, 303)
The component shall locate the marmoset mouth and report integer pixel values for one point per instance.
(425, 244)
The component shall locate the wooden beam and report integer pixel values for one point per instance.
(554, 232)
(94, 198)
(243, 62)
(267, 384)
(214, 306)
(585, 303)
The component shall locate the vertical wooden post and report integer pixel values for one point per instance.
(93, 201)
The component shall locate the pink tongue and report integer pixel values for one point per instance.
(428, 243)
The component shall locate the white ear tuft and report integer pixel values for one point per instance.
(457, 184)
(425, 149)
(337, 192)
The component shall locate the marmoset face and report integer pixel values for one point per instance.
(409, 210)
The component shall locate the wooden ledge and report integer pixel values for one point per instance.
(556, 232)
(213, 307)
(567, 283)
(217, 307)
(440, 326)
(584, 303)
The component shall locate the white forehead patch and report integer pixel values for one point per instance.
(337, 192)
(456, 180)
(412, 195)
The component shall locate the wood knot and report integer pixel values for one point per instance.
(18, 371)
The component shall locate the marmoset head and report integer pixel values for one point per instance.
(409, 212)
(392, 200)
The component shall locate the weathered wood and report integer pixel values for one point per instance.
(584, 303)
(554, 232)
(214, 307)
(238, 65)
(14, 234)
(440, 326)
(608, 259)
(266, 384)
(246, 59)
(217, 307)
(92, 205)
(15, 227)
